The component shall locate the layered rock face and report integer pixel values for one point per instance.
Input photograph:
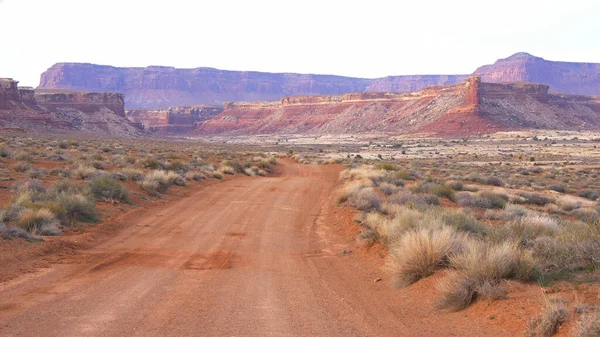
(23, 108)
(471, 107)
(173, 120)
(562, 77)
(157, 87)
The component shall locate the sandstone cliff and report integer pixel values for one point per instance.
(23, 108)
(173, 120)
(159, 87)
(467, 108)
(563, 77)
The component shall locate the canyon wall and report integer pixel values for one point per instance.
(173, 120)
(160, 87)
(23, 108)
(467, 108)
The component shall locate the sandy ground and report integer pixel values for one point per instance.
(248, 257)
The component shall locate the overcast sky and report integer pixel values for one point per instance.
(352, 38)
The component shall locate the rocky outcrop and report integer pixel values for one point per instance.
(173, 120)
(23, 108)
(471, 107)
(8, 92)
(562, 77)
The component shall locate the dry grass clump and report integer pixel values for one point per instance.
(84, 172)
(38, 221)
(588, 325)
(554, 314)
(569, 203)
(105, 187)
(159, 181)
(479, 270)
(419, 253)
(133, 174)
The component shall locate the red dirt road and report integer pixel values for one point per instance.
(247, 257)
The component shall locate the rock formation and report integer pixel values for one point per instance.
(158, 87)
(173, 120)
(23, 108)
(467, 108)
(562, 77)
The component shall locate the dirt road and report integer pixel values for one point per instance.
(247, 257)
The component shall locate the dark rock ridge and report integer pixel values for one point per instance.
(471, 107)
(23, 108)
(159, 87)
(173, 120)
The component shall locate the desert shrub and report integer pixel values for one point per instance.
(38, 221)
(387, 188)
(28, 185)
(557, 188)
(5, 153)
(238, 168)
(251, 171)
(63, 173)
(84, 172)
(8, 233)
(78, 207)
(554, 314)
(108, 188)
(404, 197)
(150, 186)
(433, 188)
(568, 203)
(177, 166)
(494, 181)
(217, 175)
(463, 221)
(21, 167)
(533, 198)
(479, 269)
(24, 156)
(386, 167)
(431, 199)
(227, 170)
(575, 246)
(98, 165)
(591, 195)
(419, 253)
(160, 181)
(455, 185)
(365, 199)
(152, 163)
(486, 200)
(133, 174)
(588, 325)
(193, 175)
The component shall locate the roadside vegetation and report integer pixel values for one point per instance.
(482, 226)
(49, 185)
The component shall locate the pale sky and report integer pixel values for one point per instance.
(370, 39)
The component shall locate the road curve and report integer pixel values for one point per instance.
(247, 257)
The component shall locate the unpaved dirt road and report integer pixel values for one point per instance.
(247, 257)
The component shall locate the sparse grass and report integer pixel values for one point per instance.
(588, 325)
(421, 252)
(105, 187)
(553, 315)
(479, 269)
